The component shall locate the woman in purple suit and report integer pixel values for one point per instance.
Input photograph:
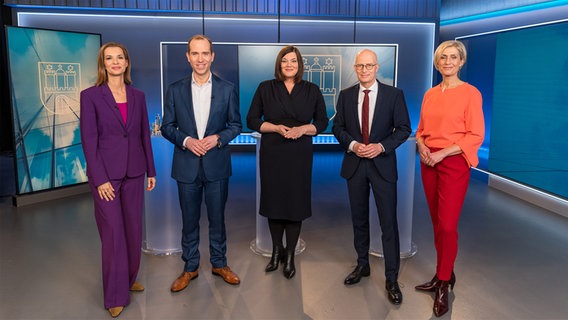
(115, 134)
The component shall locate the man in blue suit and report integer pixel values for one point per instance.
(371, 122)
(201, 117)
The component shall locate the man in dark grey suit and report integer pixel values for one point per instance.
(371, 122)
(201, 116)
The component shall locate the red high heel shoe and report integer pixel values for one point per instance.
(432, 284)
(441, 303)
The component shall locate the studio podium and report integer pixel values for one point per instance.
(405, 161)
(162, 216)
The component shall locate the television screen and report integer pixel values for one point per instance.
(47, 71)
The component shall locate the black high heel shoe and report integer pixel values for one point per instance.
(432, 284)
(277, 257)
(289, 267)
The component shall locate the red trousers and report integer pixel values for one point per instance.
(445, 186)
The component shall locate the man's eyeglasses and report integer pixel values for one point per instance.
(367, 66)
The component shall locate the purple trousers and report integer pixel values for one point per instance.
(120, 228)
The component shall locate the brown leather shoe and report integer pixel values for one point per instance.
(137, 287)
(115, 311)
(183, 280)
(229, 276)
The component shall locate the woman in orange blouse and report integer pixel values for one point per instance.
(450, 132)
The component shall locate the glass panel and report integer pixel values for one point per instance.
(70, 166)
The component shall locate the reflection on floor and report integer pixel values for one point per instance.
(511, 265)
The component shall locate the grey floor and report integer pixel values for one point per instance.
(512, 263)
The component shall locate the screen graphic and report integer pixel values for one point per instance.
(48, 70)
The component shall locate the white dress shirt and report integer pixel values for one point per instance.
(201, 97)
(372, 100)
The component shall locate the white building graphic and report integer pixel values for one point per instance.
(325, 71)
(155, 126)
(60, 86)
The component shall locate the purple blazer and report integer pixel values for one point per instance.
(114, 150)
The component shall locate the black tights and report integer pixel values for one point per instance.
(277, 228)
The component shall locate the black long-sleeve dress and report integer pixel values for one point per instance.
(285, 164)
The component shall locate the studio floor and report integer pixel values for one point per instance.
(512, 261)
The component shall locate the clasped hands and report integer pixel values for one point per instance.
(290, 133)
(369, 151)
(429, 158)
(200, 146)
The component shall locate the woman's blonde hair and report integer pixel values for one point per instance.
(448, 44)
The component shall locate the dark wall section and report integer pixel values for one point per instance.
(6, 141)
(397, 9)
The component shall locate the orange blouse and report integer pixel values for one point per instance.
(453, 116)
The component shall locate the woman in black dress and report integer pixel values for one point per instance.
(288, 111)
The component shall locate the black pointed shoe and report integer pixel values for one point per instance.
(356, 275)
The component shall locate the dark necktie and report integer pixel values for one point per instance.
(365, 117)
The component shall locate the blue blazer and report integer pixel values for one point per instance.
(179, 122)
(391, 127)
(114, 150)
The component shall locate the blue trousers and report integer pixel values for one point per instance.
(190, 199)
(365, 179)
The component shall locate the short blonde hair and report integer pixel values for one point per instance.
(448, 44)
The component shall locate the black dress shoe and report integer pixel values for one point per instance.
(394, 293)
(278, 256)
(289, 267)
(355, 276)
